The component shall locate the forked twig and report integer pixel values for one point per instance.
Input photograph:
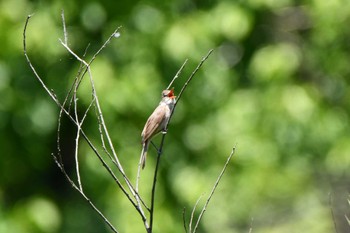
(213, 190)
(70, 117)
(102, 124)
(76, 80)
(191, 77)
(192, 213)
(83, 194)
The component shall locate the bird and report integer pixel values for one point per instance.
(157, 122)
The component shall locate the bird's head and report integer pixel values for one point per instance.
(168, 93)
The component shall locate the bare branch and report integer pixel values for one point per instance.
(251, 226)
(192, 75)
(213, 190)
(100, 115)
(105, 130)
(138, 199)
(177, 74)
(76, 152)
(63, 110)
(101, 119)
(330, 203)
(116, 31)
(154, 185)
(64, 28)
(138, 175)
(184, 219)
(75, 100)
(192, 213)
(83, 194)
(73, 87)
(30, 64)
(75, 55)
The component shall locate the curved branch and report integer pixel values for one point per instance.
(213, 190)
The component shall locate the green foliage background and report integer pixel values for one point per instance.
(276, 86)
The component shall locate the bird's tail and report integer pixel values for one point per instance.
(144, 154)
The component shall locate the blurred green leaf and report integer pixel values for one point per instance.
(276, 86)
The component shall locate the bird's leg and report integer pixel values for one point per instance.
(154, 145)
(157, 149)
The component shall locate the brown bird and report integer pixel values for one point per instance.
(157, 122)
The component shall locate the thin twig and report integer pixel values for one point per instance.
(138, 199)
(346, 217)
(87, 111)
(177, 74)
(251, 226)
(184, 219)
(138, 175)
(154, 186)
(192, 213)
(83, 194)
(97, 112)
(30, 64)
(64, 28)
(213, 190)
(65, 101)
(60, 117)
(102, 138)
(80, 123)
(191, 76)
(76, 152)
(109, 170)
(58, 141)
(100, 49)
(75, 55)
(330, 203)
(105, 44)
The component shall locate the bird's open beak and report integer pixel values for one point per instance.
(171, 94)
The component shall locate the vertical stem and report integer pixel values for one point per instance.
(154, 183)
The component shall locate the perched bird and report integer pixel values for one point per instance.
(157, 121)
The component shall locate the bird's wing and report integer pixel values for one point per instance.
(152, 125)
